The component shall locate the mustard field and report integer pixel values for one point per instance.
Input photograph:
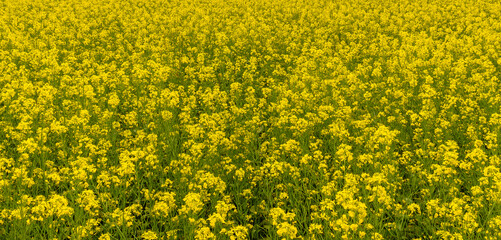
(250, 119)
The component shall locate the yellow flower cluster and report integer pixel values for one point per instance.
(263, 119)
(282, 221)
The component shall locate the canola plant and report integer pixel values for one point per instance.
(260, 119)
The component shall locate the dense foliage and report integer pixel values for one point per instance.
(250, 119)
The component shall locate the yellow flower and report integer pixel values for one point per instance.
(414, 208)
(149, 235)
(285, 229)
(278, 215)
(377, 236)
(105, 236)
(87, 200)
(113, 100)
(204, 233)
(239, 174)
(238, 233)
(164, 205)
(193, 203)
(315, 228)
